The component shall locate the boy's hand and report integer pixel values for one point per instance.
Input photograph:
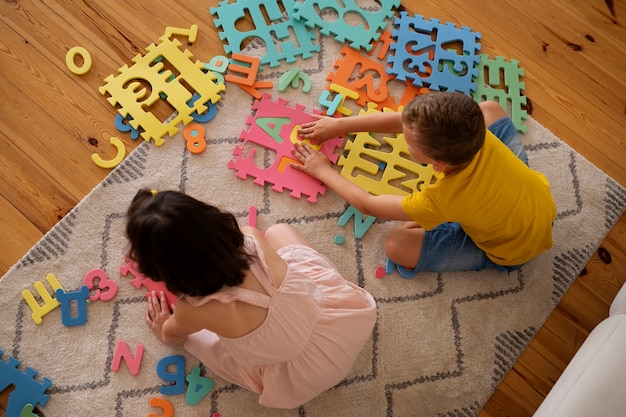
(321, 129)
(313, 163)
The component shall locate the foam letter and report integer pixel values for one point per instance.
(122, 351)
(49, 303)
(166, 406)
(66, 298)
(360, 226)
(199, 386)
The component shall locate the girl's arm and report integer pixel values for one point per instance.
(168, 327)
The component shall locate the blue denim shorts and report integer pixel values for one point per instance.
(505, 130)
(447, 247)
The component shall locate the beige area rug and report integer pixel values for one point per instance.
(442, 344)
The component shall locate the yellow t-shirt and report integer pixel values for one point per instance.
(505, 207)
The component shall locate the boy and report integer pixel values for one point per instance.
(488, 209)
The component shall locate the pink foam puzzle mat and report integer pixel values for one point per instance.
(273, 127)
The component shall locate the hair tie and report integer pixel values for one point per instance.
(154, 192)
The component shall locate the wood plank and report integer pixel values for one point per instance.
(65, 99)
(38, 134)
(505, 403)
(23, 235)
(43, 210)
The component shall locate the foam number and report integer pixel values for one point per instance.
(293, 78)
(163, 404)
(80, 300)
(177, 376)
(103, 283)
(122, 351)
(48, 303)
(198, 388)
(112, 163)
(194, 136)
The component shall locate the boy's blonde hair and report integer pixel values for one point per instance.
(448, 126)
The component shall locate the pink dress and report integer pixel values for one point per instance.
(316, 325)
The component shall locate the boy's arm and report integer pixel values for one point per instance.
(325, 127)
(317, 165)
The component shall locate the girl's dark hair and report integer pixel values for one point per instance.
(191, 246)
(449, 127)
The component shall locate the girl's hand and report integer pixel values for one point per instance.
(313, 163)
(157, 313)
(321, 129)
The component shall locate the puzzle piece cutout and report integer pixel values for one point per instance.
(27, 389)
(357, 34)
(366, 153)
(454, 65)
(151, 285)
(501, 80)
(285, 37)
(129, 90)
(366, 73)
(273, 126)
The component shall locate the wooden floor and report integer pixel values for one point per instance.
(51, 121)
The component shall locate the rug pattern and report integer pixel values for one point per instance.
(442, 343)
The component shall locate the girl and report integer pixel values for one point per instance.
(264, 311)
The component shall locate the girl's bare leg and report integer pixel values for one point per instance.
(281, 234)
